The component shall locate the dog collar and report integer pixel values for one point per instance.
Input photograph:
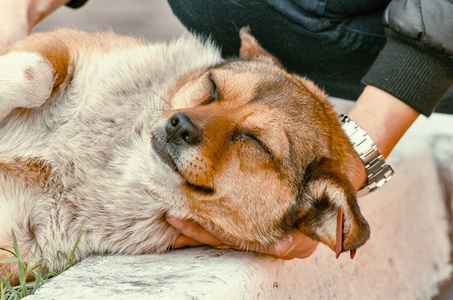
(378, 171)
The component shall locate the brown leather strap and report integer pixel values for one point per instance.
(340, 230)
(340, 226)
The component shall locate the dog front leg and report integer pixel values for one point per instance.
(26, 81)
(31, 71)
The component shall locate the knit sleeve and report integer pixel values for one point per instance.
(416, 64)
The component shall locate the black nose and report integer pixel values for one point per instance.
(180, 128)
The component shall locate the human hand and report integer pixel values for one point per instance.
(13, 22)
(295, 245)
(18, 17)
(383, 116)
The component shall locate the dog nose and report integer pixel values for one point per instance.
(180, 128)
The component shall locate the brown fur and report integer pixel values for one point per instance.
(240, 146)
(32, 171)
(8, 268)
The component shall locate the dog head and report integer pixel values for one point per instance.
(260, 152)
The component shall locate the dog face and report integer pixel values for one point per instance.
(253, 151)
(259, 152)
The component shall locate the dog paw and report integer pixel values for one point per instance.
(26, 80)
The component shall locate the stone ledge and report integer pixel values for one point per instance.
(407, 257)
(397, 216)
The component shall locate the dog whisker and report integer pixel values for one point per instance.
(212, 180)
(113, 152)
(158, 109)
(207, 176)
(154, 115)
(169, 139)
(161, 98)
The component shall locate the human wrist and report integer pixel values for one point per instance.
(384, 117)
(378, 172)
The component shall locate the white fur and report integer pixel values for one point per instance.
(93, 132)
(96, 137)
(328, 227)
(16, 89)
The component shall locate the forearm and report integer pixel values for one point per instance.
(384, 117)
(18, 17)
(39, 9)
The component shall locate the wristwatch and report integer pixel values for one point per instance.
(378, 171)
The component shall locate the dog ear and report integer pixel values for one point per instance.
(327, 208)
(250, 48)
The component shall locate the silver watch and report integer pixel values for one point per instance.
(378, 171)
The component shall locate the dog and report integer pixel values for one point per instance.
(103, 134)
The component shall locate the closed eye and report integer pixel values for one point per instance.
(213, 92)
(250, 137)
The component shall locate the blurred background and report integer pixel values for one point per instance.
(149, 19)
(154, 20)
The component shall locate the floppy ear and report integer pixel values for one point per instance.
(326, 192)
(250, 48)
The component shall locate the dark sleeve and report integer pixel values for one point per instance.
(76, 3)
(416, 64)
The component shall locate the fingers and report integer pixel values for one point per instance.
(302, 246)
(192, 233)
(183, 241)
(295, 245)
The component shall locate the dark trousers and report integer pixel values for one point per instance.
(332, 42)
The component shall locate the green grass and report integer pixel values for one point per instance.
(30, 266)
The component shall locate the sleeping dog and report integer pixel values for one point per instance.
(104, 134)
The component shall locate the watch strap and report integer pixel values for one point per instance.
(378, 171)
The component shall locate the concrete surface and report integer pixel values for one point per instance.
(407, 257)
